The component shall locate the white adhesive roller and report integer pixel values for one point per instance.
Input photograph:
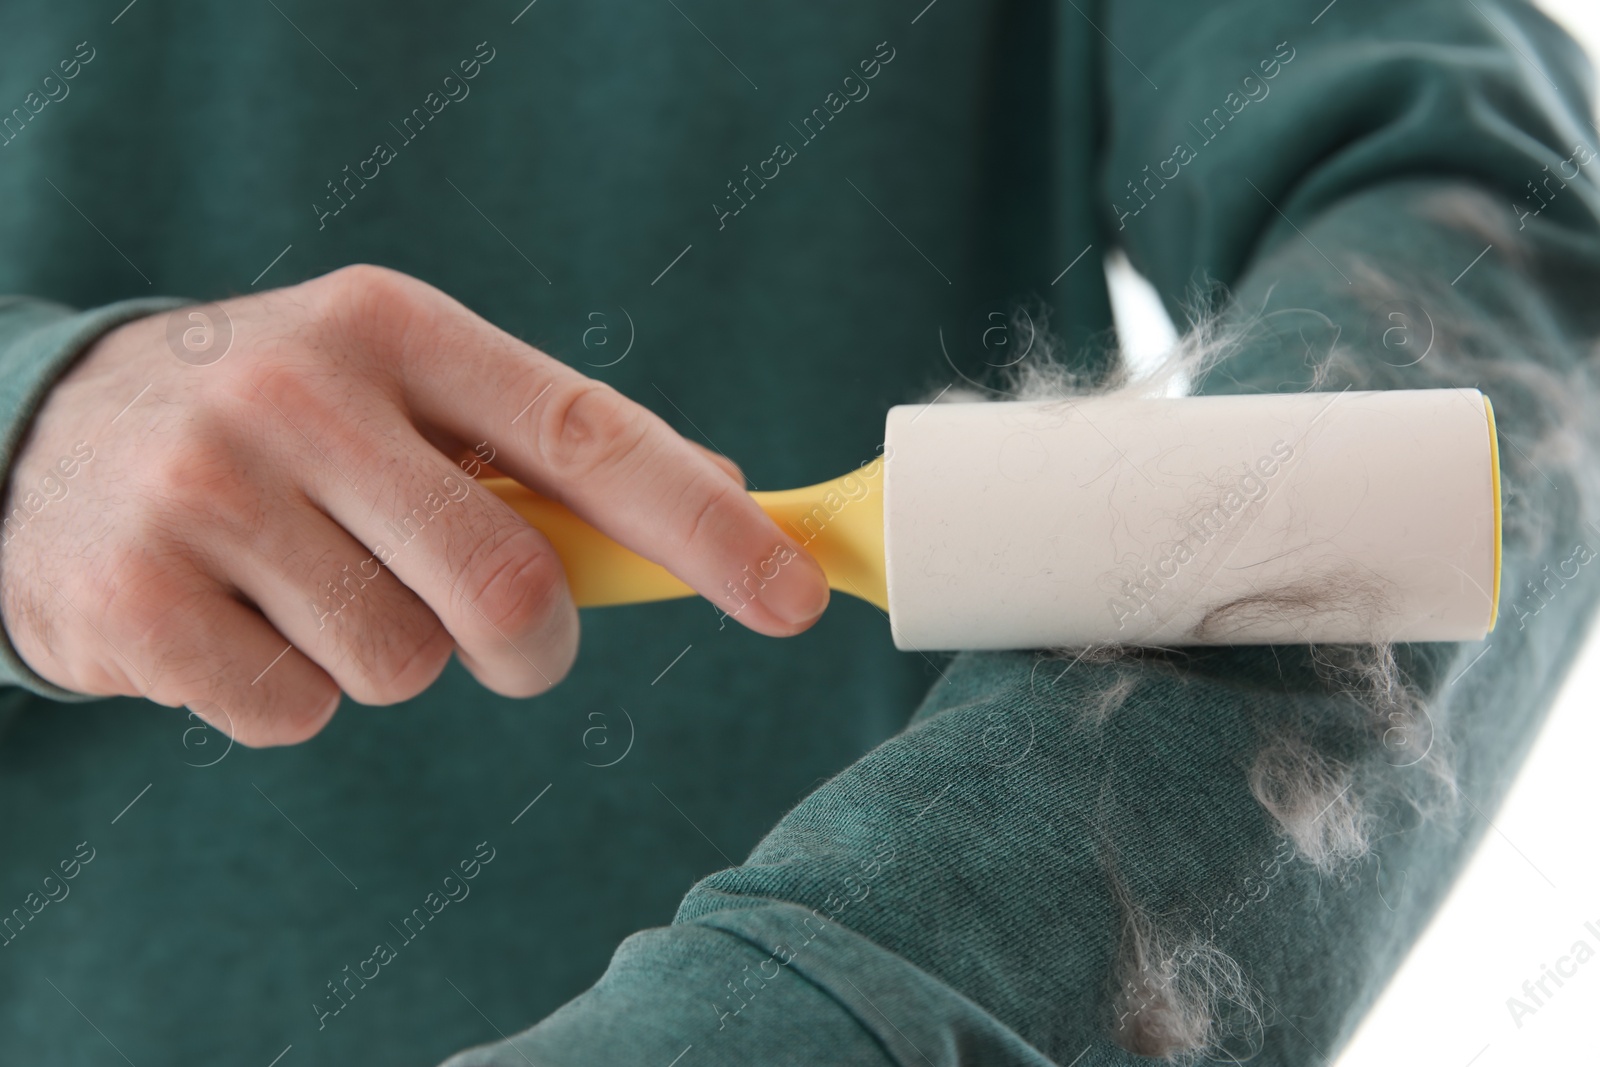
(1236, 519)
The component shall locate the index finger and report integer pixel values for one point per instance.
(612, 461)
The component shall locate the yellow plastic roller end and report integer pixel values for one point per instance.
(1494, 475)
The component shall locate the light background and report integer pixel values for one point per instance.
(1525, 897)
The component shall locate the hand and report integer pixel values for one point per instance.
(250, 536)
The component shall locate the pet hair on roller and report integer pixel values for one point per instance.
(1207, 520)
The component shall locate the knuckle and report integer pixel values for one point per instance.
(102, 677)
(717, 500)
(402, 657)
(288, 719)
(144, 604)
(252, 734)
(360, 284)
(587, 425)
(299, 718)
(207, 483)
(285, 402)
(252, 729)
(365, 301)
(513, 582)
(269, 388)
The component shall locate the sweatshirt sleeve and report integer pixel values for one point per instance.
(1268, 120)
(1093, 860)
(38, 342)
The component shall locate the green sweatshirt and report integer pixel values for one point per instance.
(770, 226)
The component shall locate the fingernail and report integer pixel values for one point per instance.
(798, 592)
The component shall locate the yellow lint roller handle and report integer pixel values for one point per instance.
(839, 522)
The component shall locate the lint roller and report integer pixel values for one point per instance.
(1207, 520)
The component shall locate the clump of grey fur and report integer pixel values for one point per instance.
(1310, 798)
(1179, 997)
